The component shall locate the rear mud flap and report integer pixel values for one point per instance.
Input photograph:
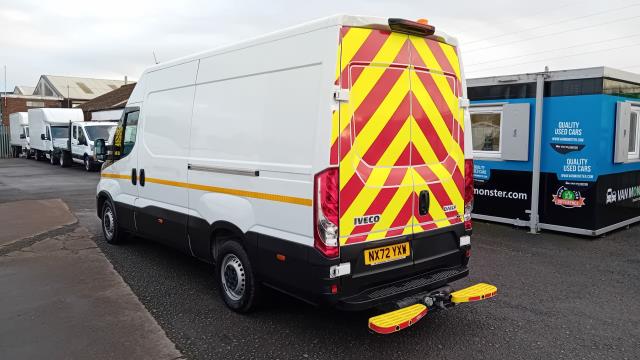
(400, 319)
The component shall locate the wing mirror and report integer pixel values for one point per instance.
(100, 149)
(42, 137)
(22, 136)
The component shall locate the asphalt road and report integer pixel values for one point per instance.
(560, 297)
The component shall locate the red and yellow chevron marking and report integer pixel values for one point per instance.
(400, 133)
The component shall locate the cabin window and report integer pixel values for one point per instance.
(486, 126)
(634, 139)
(130, 130)
(81, 139)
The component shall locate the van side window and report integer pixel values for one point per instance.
(130, 129)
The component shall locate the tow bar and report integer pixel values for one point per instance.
(443, 298)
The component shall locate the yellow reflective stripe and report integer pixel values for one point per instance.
(374, 126)
(116, 176)
(354, 39)
(449, 186)
(441, 81)
(221, 190)
(370, 75)
(450, 52)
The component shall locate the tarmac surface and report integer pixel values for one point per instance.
(560, 297)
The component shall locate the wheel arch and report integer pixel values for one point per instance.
(100, 199)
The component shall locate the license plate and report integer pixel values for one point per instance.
(386, 253)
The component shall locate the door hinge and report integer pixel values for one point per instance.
(341, 95)
(464, 103)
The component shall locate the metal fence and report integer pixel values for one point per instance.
(5, 138)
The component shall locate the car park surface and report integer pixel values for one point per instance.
(559, 296)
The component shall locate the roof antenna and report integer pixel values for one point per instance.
(155, 58)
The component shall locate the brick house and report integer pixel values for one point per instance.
(10, 103)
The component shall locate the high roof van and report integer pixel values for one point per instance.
(327, 161)
(49, 129)
(19, 130)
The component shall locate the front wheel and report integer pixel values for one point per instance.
(89, 164)
(53, 159)
(110, 226)
(64, 160)
(236, 281)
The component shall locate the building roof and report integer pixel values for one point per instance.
(23, 90)
(116, 99)
(573, 74)
(77, 88)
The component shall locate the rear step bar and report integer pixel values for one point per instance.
(442, 298)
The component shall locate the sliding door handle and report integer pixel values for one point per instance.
(141, 177)
(134, 176)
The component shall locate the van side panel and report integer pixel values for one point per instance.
(260, 129)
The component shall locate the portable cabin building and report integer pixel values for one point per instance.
(573, 168)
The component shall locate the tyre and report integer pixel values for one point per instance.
(110, 227)
(89, 165)
(64, 160)
(53, 159)
(236, 280)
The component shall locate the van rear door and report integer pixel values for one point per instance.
(437, 156)
(399, 150)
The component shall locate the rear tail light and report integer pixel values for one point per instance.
(468, 193)
(325, 213)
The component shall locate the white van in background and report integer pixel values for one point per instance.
(49, 129)
(19, 125)
(325, 160)
(81, 147)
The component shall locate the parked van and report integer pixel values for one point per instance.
(19, 129)
(81, 147)
(332, 169)
(50, 128)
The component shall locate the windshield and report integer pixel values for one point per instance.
(59, 132)
(99, 131)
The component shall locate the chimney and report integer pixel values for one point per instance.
(125, 79)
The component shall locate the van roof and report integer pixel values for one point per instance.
(59, 115)
(371, 22)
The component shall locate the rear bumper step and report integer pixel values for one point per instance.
(403, 318)
(389, 293)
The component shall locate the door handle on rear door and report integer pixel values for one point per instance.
(423, 207)
(141, 177)
(134, 177)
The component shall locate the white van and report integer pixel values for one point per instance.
(49, 128)
(81, 147)
(19, 131)
(325, 160)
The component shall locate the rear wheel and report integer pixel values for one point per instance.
(110, 226)
(236, 281)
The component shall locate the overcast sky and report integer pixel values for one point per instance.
(115, 38)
